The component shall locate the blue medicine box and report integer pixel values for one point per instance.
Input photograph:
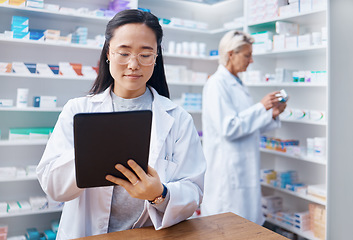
(49, 234)
(214, 53)
(36, 34)
(54, 68)
(32, 234)
(21, 35)
(32, 67)
(19, 20)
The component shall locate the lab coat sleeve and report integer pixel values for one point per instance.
(275, 123)
(56, 169)
(186, 184)
(221, 110)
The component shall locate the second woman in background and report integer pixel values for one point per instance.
(232, 124)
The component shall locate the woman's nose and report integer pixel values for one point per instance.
(133, 62)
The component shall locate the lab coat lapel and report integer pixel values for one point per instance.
(102, 102)
(231, 80)
(162, 122)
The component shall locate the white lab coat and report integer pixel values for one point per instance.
(175, 153)
(231, 135)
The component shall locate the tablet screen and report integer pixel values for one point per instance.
(103, 140)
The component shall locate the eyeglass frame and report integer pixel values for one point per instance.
(137, 57)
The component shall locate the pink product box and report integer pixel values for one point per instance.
(3, 229)
(3, 236)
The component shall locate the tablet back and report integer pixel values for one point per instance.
(104, 139)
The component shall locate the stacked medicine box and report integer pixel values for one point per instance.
(19, 27)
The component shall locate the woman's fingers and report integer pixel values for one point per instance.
(152, 172)
(139, 184)
(133, 179)
(116, 180)
(140, 173)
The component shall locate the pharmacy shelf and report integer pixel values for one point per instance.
(306, 234)
(86, 17)
(18, 179)
(184, 29)
(105, 20)
(210, 3)
(30, 109)
(49, 43)
(223, 30)
(89, 47)
(285, 84)
(292, 51)
(303, 196)
(323, 123)
(30, 212)
(27, 142)
(302, 158)
(206, 58)
(180, 83)
(204, 31)
(293, 17)
(39, 76)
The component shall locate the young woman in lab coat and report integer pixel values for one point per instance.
(131, 76)
(232, 124)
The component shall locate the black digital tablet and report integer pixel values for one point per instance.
(103, 140)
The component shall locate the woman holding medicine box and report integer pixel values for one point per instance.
(232, 124)
(131, 77)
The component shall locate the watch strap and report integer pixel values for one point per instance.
(160, 198)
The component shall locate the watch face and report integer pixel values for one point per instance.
(158, 200)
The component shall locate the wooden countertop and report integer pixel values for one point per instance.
(220, 226)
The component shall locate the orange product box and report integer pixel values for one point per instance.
(5, 67)
(77, 68)
(19, 3)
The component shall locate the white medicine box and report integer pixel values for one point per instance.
(279, 42)
(304, 41)
(44, 101)
(291, 42)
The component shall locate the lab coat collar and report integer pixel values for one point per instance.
(101, 97)
(163, 103)
(230, 79)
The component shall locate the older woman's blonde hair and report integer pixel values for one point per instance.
(232, 41)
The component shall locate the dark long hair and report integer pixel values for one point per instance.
(157, 80)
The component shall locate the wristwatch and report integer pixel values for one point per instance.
(160, 198)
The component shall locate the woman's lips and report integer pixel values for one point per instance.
(133, 76)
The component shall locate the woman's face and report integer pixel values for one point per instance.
(239, 61)
(130, 76)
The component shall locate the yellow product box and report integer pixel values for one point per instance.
(19, 3)
(317, 220)
(4, 2)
